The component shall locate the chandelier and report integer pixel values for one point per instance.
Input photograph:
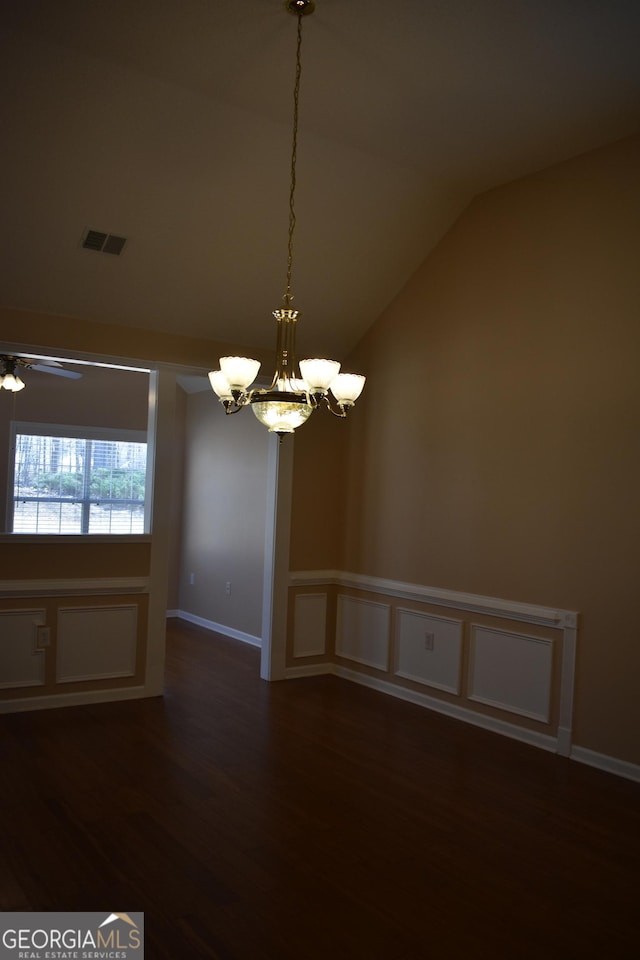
(293, 393)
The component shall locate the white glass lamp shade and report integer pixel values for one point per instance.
(298, 385)
(318, 374)
(12, 383)
(347, 387)
(239, 371)
(281, 416)
(220, 385)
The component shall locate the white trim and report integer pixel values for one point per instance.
(376, 634)
(319, 620)
(310, 670)
(567, 688)
(37, 539)
(527, 612)
(99, 586)
(405, 612)
(277, 537)
(62, 355)
(564, 741)
(559, 745)
(29, 428)
(621, 768)
(171, 614)
(218, 628)
(68, 641)
(557, 619)
(509, 707)
(80, 698)
(542, 740)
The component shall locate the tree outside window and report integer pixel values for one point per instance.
(78, 485)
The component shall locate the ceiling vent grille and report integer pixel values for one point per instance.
(103, 242)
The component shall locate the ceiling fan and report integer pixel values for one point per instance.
(9, 363)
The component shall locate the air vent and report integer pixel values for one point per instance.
(103, 242)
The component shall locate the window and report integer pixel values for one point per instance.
(74, 480)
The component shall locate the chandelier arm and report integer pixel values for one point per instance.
(288, 296)
(241, 399)
(341, 412)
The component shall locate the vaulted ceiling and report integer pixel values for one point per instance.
(169, 123)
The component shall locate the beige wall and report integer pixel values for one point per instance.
(318, 501)
(224, 505)
(495, 450)
(75, 337)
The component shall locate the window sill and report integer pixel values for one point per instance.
(59, 538)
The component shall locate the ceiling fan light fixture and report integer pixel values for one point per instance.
(291, 397)
(10, 382)
(9, 379)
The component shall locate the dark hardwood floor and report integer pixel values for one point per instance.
(312, 819)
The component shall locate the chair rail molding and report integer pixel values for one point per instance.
(564, 621)
(99, 586)
(475, 603)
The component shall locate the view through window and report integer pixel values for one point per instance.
(82, 484)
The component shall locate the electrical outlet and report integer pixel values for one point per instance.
(429, 639)
(43, 635)
(227, 588)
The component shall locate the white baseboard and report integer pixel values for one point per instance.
(541, 740)
(557, 744)
(216, 627)
(631, 771)
(81, 698)
(309, 670)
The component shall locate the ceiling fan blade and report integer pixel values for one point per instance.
(42, 362)
(57, 371)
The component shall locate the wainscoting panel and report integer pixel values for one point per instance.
(21, 661)
(511, 671)
(310, 624)
(429, 649)
(505, 665)
(362, 631)
(96, 642)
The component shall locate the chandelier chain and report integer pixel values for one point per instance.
(288, 296)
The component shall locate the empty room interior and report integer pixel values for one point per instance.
(366, 684)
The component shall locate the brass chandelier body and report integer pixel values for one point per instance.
(292, 396)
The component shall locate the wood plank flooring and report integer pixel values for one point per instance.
(312, 819)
